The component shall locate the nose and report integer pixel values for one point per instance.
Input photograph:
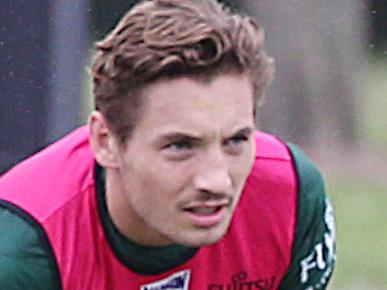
(214, 176)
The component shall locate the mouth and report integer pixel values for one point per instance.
(206, 215)
(204, 210)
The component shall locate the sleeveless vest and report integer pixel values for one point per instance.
(56, 187)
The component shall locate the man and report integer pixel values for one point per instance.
(169, 187)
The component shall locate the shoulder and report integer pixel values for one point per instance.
(286, 162)
(310, 180)
(269, 198)
(290, 178)
(26, 261)
(273, 165)
(314, 247)
(270, 147)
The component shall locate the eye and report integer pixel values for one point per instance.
(179, 146)
(235, 144)
(178, 150)
(238, 139)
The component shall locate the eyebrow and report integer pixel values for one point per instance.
(188, 137)
(178, 136)
(244, 131)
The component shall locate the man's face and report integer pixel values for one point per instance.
(183, 169)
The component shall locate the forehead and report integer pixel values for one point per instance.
(224, 102)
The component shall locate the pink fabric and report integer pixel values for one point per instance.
(56, 187)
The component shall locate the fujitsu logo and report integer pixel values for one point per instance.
(177, 281)
(239, 281)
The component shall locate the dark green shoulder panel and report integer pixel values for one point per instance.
(314, 250)
(25, 260)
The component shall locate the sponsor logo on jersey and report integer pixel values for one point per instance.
(240, 281)
(319, 263)
(177, 281)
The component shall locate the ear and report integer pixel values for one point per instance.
(102, 140)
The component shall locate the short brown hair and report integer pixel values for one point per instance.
(160, 39)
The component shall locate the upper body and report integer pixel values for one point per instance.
(59, 234)
(170, 187)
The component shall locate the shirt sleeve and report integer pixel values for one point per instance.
(314, 249)
(25, 261)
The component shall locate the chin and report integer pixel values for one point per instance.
(202, 237)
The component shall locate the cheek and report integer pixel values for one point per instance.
(244, 164)
(156, 183)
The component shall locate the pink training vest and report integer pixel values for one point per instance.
(57, 188)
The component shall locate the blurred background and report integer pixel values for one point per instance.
(329, 96)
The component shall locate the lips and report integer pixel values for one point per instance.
(206, 214)
(204, 210)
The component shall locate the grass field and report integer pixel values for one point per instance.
(361, 215)
(361, 200)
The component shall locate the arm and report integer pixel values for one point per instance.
(314, 249)
(25, 263)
